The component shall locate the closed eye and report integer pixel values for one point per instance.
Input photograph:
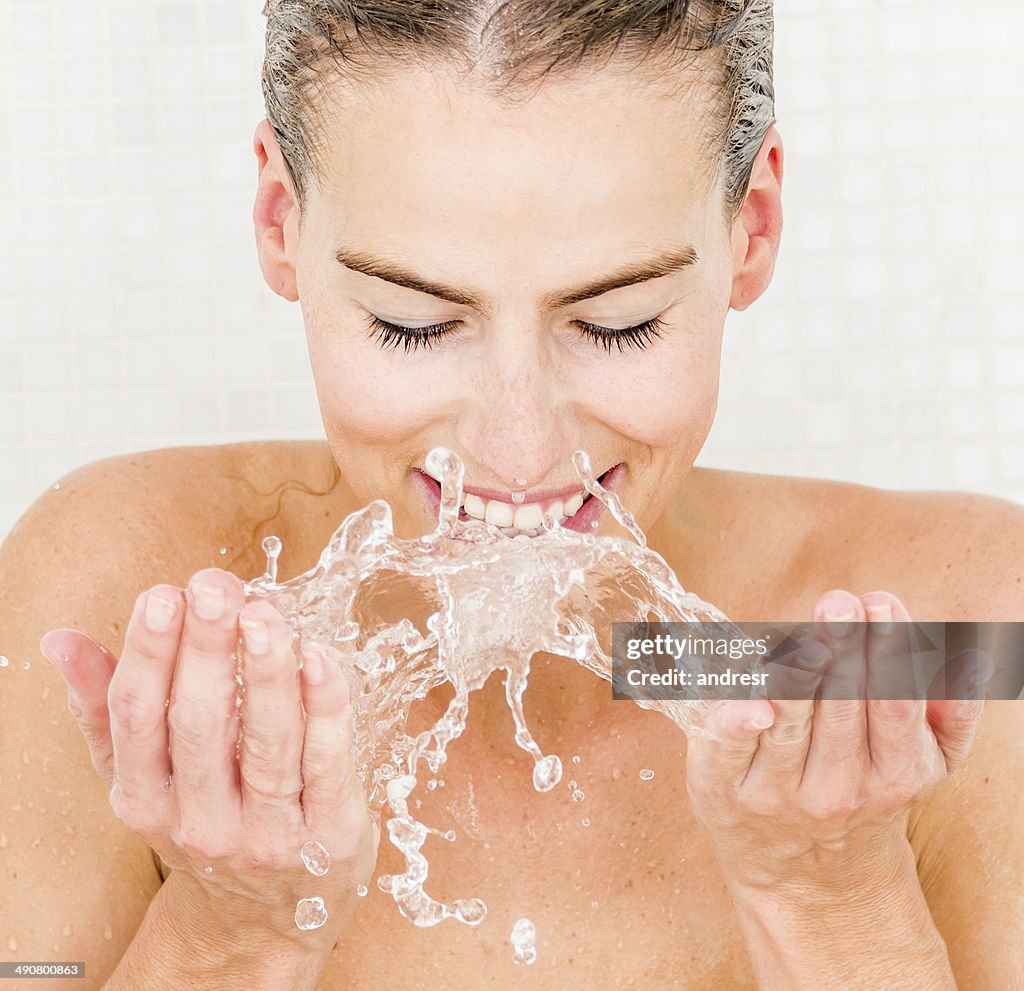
(391, 335)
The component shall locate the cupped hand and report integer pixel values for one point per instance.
(801, 787)
(227, 793)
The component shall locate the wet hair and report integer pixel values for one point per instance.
(514, 44)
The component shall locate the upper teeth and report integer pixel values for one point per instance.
(525, 517)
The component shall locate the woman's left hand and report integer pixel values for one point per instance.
(817, 796)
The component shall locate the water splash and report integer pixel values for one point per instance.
(316, 858)
(310, 913)
(403, 617)
(524, 941)
(646, 774)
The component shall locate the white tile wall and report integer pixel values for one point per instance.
(889, 349)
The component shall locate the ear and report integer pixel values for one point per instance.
(275, 214)
(757, 230)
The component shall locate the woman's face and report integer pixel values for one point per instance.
(513, 225)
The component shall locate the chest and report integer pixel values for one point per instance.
(611, 868)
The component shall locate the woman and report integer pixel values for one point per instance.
(514, 234)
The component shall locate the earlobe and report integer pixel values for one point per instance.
(274, 206)
(757, 229)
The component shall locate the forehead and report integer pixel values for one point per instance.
(427, 154)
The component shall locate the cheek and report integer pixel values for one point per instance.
(364, 393)
(671, 398)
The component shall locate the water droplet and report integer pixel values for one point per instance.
(520, 481)
(362, 891)
(594, 904)
(310, 913)
(518, 497)
(56, 485)
(26, 665)
(222, 551)
(67, 930)
(46, 693)
(449, 835)
(3, 661)
(167, 784)
(585, 822)
(524, 942)
(646, 774)
(3, 840)
(316, 858)
(575, 758)
(577, 795)
(471, 911)
(207, 870)
(272, 548)
(547, 772)
(12, 944)
(108, 932)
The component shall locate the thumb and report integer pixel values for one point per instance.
(724, 750)
(954, 722)
(87, 667)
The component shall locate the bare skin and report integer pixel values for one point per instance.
(658, 888)
(593, 173)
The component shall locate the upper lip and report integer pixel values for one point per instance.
(548, 495)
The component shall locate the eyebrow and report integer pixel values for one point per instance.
(666, 263)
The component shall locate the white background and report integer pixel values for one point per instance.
(889, 350)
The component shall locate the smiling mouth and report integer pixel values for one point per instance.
(577, 512)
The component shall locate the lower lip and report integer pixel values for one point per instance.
(581, 521)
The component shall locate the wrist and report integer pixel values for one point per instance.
(870, 928)
(189, 939)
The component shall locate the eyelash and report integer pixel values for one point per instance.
(391, 334)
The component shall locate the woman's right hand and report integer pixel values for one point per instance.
(234, 825)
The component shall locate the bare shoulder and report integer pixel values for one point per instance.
(78, 558)
(177, 510)
(948, 556)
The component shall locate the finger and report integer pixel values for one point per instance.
(797, 674)
(839, 621)
(961, 675)
(838, 749)
(891, 668)
(329, 781)
(202, 717)
(87, 667)
(137, 700)
(895, 703)
(270, 758)
(722, 752)
(954, 720)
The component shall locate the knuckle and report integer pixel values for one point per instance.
(319, 760)
(832, 805)
(898, 710)
(133, 814)
(197, 841)
(132, 711)
(193, 725)
(267, 750)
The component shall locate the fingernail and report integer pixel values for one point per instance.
(879, 616)
(313, 665)
(159, 613)
(210, 601)
(257, 635)
(839, 626)
(762, 722)
(984, 671)
(49, 653)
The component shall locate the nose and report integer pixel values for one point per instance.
(519, 422)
